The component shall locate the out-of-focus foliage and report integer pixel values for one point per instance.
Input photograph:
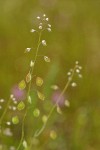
(75, 36)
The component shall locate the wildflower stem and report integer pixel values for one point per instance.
(38, 132)
(4, 112)
(36, 55)
(29, 88)
(22, 134)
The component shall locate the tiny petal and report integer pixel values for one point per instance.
(2, 100)
(40, 23)
(44, 15)
(54, 87)
(24, 144)
(38, 17)
(80, 76)
(44, 43)
(77, 70)
(47, 19)
(76, 62)
(49, 29)
(27, 49)
(31, 63)
(47, 59)
(32, 30)
(67, 103)
(8, 123)
(69, 73)
(49, 25)
(73, 84)
(40, 27)
(11, 96)
(59, 110)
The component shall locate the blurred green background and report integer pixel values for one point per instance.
(75, 36)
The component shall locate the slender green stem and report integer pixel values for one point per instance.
(32, 69)
(5, 111)
(22, 134)
(34, 62)
(53, 108)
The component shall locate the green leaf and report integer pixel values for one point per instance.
(21, 106)
(15, 120)
(22, 85)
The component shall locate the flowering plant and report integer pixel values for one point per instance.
(21, 101)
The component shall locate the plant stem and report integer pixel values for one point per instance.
(4, 112)
(23, 122)
(52, 109)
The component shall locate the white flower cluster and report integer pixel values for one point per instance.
(76, 70)
(43, 22)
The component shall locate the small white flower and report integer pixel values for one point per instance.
(40, 27)
(13, 108)
(49, 25)
(8, 123)
(12, 148)
(44, 15)
(67, 103)
(80, 67)
(49, 29)
(7, 132)
(80, 76)
(15, 102)
(31, 63)
(77, 70)
(73, 84)
(47, 19)
(40, 23)
(27, 49)
(11, 96)
(38, 17)
(76, 62)
(46, 58)
(55, 87)
(32, 30)
(44, 43)
(25, 144)
(2, 100)
(69, 73)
